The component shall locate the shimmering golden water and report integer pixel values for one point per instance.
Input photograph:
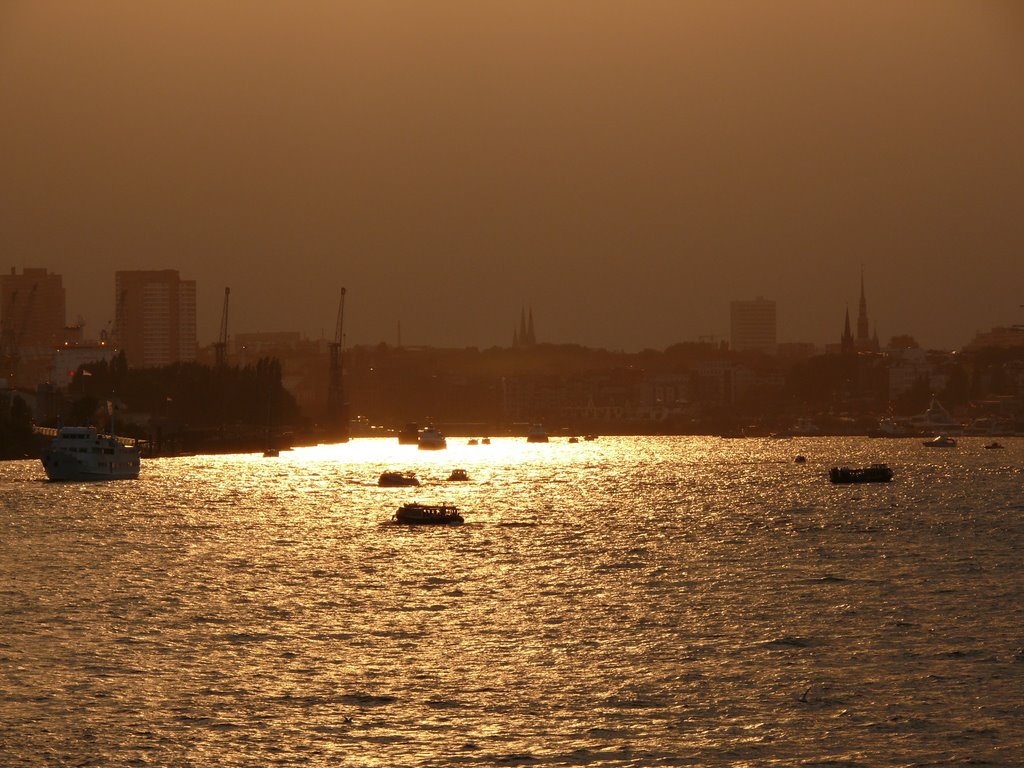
(631, 601)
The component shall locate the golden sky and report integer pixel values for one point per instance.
(626, 167)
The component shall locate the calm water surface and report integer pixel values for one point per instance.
(626, 602)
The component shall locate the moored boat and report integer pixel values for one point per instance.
(427, 514)
(876, 473)
(397, 479)
(431, 440)
(942, 441)
(80, 453)
(536, 434)
(410, 434)
(458, 476)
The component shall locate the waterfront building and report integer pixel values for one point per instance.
(65, 360)
(796, 350)
(155, 317)
(1001, 337)
(753, 326)
(32, 308)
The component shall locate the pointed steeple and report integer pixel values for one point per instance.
(531, 337)
(523, 339)
(863, 334)
(515, 337)
(846, 343)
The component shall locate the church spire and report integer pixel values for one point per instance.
(846, 343)
(531, 337)
(863, 331)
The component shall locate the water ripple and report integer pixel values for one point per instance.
(623, 602)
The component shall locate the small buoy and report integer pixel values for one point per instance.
(800, 459)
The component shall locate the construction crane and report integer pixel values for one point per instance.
(337, 408)
(220, 348)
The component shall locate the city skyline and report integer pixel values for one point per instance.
(628, 173)
(757, 319)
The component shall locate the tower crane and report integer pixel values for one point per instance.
(337, 408)
(220, 348)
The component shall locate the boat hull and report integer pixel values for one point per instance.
(62, 465)
(397, 480)
(415, 514)
(874, 474)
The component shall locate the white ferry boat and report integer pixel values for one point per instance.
(79, 453)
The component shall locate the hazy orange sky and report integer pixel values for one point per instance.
(625, 167)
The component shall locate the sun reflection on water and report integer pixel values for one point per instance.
(627, 601)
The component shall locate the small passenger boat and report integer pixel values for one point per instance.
(458, 476)
(397, 479)
(427, 514)
(942, 441)
(876, 473)
(432, 440)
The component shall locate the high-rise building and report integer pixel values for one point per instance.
(752, 326)
(32, 307)
(155, 317)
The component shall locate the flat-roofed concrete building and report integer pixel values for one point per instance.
(155, 317)
(752, 326)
